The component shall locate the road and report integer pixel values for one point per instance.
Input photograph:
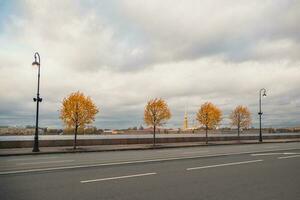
(259, 171)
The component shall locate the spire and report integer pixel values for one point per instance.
(185, 121)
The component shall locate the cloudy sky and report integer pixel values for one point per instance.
(122, 53)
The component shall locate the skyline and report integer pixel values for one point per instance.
(123, 53)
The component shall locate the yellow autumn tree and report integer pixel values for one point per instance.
(209, 116)
(77, 111)
(156, 114)
(240, 118)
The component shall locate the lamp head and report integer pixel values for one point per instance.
(264, 91)
(35, 63)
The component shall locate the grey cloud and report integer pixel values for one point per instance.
(133, 35)
(180, 31)
(123, 54)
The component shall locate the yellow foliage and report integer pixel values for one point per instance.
(156, 112)
(240, 117)
(209, 115)
(78, 110)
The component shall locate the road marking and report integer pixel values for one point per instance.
(118, 177)
(22, 159)
(266, 154)
(290, 153)
(269, 154)
(46, 162)
(285, 157)
(224, 164)
(133, 162)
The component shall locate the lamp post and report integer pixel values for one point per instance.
(262, 92)
(37, 63)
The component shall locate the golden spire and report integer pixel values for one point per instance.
(185, 121)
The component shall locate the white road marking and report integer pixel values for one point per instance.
(224, 164)
(266, 154)
(269, 154)
(285, 157)
(25, 159)
(46, 162)
(290, 153)
(118, 177)
(133, 162)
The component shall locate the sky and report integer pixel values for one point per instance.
(124, 53)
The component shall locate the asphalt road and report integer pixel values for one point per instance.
(260, 171)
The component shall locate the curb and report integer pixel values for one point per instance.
(161, 146)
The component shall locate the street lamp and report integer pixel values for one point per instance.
(262, 92)
(37, 63)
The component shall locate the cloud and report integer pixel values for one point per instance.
(186, 30)
(122, 53)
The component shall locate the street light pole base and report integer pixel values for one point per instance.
(35, 150)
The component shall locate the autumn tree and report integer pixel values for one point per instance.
(77, 111)
(209, 116)
(240, 118)
(156, 114)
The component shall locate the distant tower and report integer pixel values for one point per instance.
(185, 121)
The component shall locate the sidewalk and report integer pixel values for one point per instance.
(103, 148)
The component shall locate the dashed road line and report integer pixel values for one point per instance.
(270, 154)
(286, 157)
(224, 164)
(118, 177)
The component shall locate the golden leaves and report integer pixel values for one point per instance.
(240, 117)
(209, 115)
(78, 110)
(156, 112)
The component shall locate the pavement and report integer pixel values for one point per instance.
(130, 136)
(248, 171)
(103, 148)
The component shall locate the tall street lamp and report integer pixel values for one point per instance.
(262, 92)
(37, 63)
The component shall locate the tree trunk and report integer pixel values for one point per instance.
(154, 130)
(239, 140)
(239, 125)
(76, 126)
(75, 137)
(206, 137)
